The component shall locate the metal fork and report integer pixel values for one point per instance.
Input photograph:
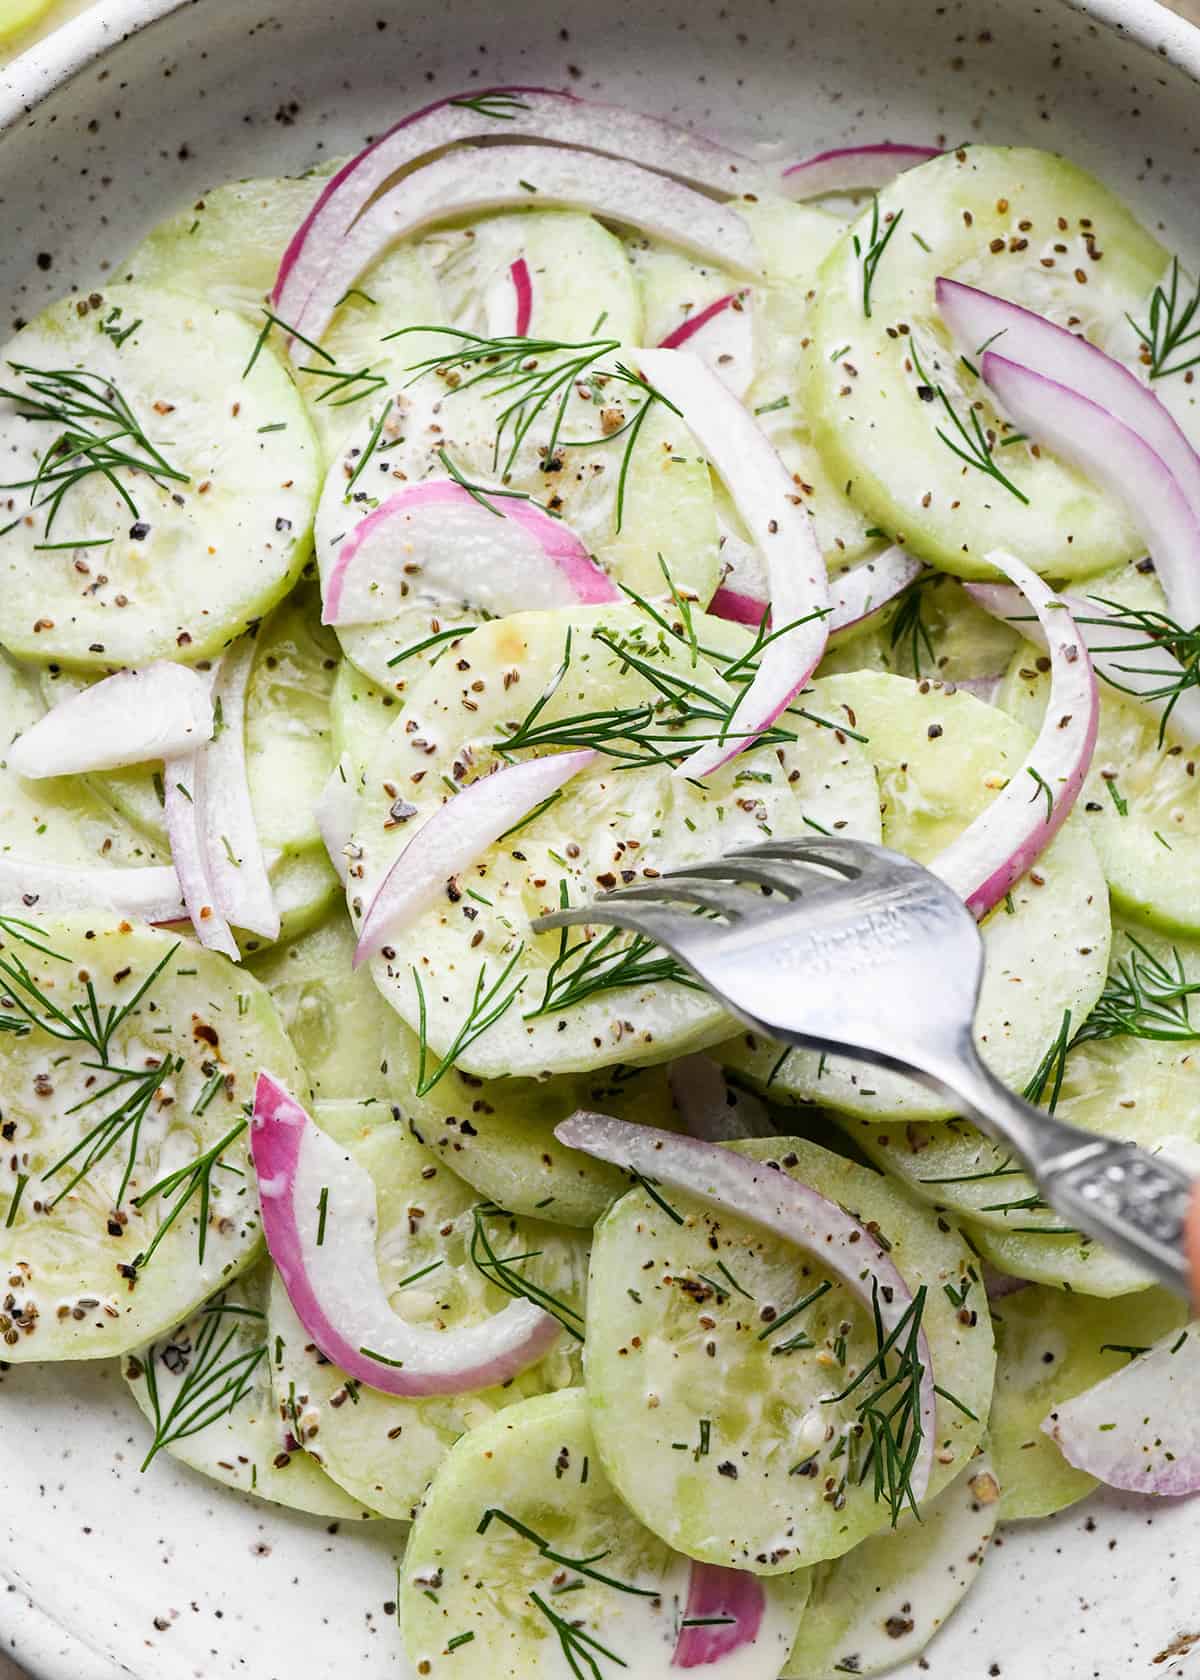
(859, 951)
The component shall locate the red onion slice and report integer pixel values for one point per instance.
(852, 169)
(1120, 460)
(710, 1107)
(148, 895)
(1126, 657)
(977, 319)
(1140, 1428)
(130, 718)
(733, 1605)
(465, 183)
(722, 335)
(528, 113)
(994, 851)
(225, 814)
(853, 596)
(454, 836)
(320, 1221)
(780, 528)
(189, 854)
(335, 815)
(522, 286)
(774, 1200)
(435, 540)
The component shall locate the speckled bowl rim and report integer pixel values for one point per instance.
(45, 1646)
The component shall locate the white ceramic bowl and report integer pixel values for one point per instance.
(123, 116)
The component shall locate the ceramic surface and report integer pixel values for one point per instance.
(129, 112)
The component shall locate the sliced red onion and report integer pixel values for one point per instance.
(1140, 1428)
(455, 835)
(999, 1284)
(852, 169)
(1130, 660)
(977, 320)
(710, 1107)
(130, 718)
(722, 335)
(527, 113)
(189, 854)
(522, 286)
(983, 688)
(1120, 461)
(148, 895)
(853, 596)
(335, 815)
(780, 527)
(320, 1221)
(465, 183)
(726, 1609)
(436, 540)
(994, 851)
(774, 1200)
(225, 814)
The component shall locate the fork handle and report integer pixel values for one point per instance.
(1142, 1206)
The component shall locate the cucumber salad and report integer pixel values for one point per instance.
(544, 499)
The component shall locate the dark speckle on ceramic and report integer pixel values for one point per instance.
(105, 1572)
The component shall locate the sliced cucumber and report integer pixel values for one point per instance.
(180, 1385)
(1028, 226)
(941, 755)
(675, 288)
(881, 1604)
(472, 1582)
(226, 246)
(72, 1236)
(381, 1449)
(305, 889)
(205, 538)
(641, 502)
(1140, 800)
(351, 1043)
(1071, 1263)
(703, 1427)
(614, 821)
(1050, 1347)
(360, 714)
(59, 820)
(934, 630)
(580, 277)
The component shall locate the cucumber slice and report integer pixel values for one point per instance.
(1139, 802)
(882, 1603)
(73, 1244)
(675, 288)
(1050, 1347)
(498, 1134)
(305, 889)
(612, 821)
(1028, 226)
(383, 1450)
(226, 247)
(519, 1615)
(664, 498)
(705, 1445)
(188, 560)
(941, 754)
(360, 714)
(289, 748)
(351, 1043)
(933, 630)
(581, 279)
(1070, 1263)
(179, 1383)
(59, 820)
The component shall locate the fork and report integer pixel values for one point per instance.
(857, 950)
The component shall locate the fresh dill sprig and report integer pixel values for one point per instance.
(890, 1412)
(974, 445)
(486, 1008)
(502, 106)
(481, 492)
(193, 1179)
(795, 1310)
(1171, 327)
(591, 966)
(369, 448)
(877, 244)
(1050, 1070)
(214, 1385)
(908, 626)
(122, 1125)
(83, 1023)
(501, 1270)
(541, 375)
(435, 640)
(1147, 623)
(1143, 997)
(580, 1566)
(1041, 787)
(340, 391)
(577, 1646)
(97, 433)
